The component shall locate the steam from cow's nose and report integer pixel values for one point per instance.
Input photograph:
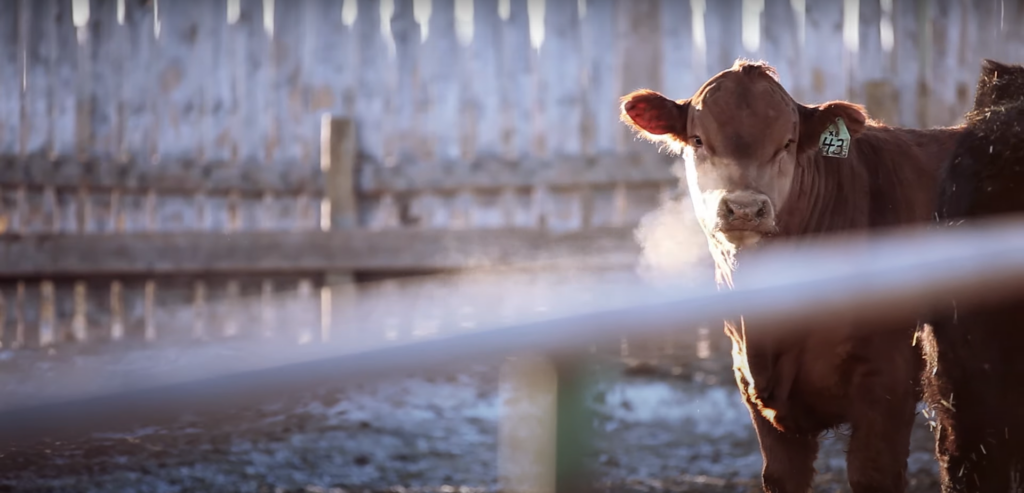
(745, 207)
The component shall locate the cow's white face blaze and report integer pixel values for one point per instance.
(740, 137)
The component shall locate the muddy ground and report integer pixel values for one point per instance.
(678, 425)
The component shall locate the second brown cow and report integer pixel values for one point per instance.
(759, 166)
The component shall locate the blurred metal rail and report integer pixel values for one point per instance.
(896, 273)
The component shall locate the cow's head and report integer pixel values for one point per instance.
(999, 84)
(740, 136)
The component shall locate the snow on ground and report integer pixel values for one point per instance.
(427, 433)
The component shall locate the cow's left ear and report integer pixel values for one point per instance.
(815, 119)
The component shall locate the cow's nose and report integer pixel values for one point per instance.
(745, 207)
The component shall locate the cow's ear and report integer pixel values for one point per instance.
(998, 84)
(815, 119)
(654, 116)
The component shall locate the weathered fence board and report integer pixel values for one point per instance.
(479, 82)
(560, 80)
(504, 115)
(639, 37)
(825, 69)
(517, 76)
(37, 50)
(138, 94)
(10, 78)
(783, 45)
(310, 251)
(678, 59)
(723, 34)
(907, 45)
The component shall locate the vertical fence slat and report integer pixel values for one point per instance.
(442, 64)
(330, 54)
(639, 34)
(942, 105)
(724, 20)
(37, 47)
(372, 65)
(111, 50)
(9, 307)
(139, 120)
(10, 78)
(134, 309)
(516, 88)
(296, 135)
(677, 57)
(404, 140)
(561, 103)
(870, 82)
(181, 70)
(298, 128)
(247, 40)
(215, 41)
(64, 312)
(97, 310)
(601, 109)
(64, 84)
(987, 16)
(825, 68)
(30, 305)
(1013, 32)
(782, 47)
(251, 126)
(907, 54)
(68, 70)
(561, 75)
(481, 82)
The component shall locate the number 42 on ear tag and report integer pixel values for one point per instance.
(835, 140)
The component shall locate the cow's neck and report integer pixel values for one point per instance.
(827, 195)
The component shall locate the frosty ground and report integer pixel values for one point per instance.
(678, 425)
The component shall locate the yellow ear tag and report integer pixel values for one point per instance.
(835, 140)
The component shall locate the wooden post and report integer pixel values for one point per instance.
(546, 425)
(339, 152)
(574, 425)
(527, 431)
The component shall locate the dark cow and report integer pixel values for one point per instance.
(759, 166)
(975, 356)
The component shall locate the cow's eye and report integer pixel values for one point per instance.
(696, 142)
(789, 144)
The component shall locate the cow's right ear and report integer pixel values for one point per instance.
(654, 116)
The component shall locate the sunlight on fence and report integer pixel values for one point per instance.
(490, 115)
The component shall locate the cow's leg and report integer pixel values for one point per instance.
(881, 419)
(788, 457)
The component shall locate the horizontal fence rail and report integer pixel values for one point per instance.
(896, 274)
(308, 251)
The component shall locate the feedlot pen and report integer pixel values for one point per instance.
(180, 177)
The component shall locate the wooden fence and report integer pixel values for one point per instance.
(131, 119)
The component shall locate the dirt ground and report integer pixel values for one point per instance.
(678, 426)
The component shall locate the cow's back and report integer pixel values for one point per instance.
(904, 168)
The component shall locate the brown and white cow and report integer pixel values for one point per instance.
(974, 354)
(759, 166)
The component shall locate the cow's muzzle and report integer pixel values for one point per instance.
(746, 212)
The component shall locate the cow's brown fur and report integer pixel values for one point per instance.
(973, 383)
(799, 387)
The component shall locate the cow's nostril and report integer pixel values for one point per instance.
(729, 212)
(761, 213)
